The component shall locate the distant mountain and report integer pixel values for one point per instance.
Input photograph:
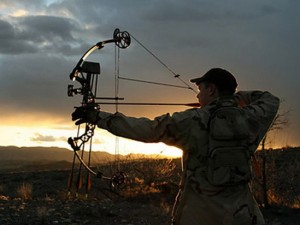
(13, 157)
(10, 153)
(19, 158)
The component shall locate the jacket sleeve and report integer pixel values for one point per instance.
(172, 130)
(139, 129)
(262, 108)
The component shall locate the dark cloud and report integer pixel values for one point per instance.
(35, 82)
(257, 40)
(31, 34)
(200, 12)
(7, 30)
(177, 12)
(47, 28)
(11, 41)
(269, 9)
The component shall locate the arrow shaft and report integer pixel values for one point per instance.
(148, 103)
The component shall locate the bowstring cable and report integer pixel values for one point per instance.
(88, 176)
(168, 68)
(165, 65)
(94, 82)
(117, 75)
(152, 82)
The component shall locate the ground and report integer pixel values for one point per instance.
(43, 197)
(79, 212)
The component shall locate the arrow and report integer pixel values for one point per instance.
(149, 103)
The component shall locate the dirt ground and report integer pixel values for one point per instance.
(105, 213)
(29, 198)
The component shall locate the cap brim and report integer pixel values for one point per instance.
(197, 80)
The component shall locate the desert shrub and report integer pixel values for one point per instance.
(25, 191)
(155, 171)
(283, 181)
(150, 177)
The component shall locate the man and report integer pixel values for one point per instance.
(201, 201)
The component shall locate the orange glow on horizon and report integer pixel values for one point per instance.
(103, 141)
(29, 129)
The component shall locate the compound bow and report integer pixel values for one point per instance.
(86, 73)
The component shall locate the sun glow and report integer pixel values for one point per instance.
(102, 141)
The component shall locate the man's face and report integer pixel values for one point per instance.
(207, 93)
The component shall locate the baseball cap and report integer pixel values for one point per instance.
(220, 77)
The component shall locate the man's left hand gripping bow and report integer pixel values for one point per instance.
(86, 114)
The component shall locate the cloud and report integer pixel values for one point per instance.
(32, 34)
(43, 138)
(203, 12)
(11, 41)
(39, 138)
(40, 45)
(47, 28)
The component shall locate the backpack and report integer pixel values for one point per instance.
(228, 149)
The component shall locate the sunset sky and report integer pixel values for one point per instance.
(42, 40)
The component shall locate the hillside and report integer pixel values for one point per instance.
(28, 158)
(41, 197)
(13, 153)
(12, 157)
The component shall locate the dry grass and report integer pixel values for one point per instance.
(25, 191)
(283, 181)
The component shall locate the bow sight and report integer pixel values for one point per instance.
(86, 73)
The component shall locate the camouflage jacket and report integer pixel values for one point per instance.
(188, 130)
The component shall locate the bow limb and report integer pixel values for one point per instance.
(84, 164)
(83, 58)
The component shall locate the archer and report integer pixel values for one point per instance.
(218, 140)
